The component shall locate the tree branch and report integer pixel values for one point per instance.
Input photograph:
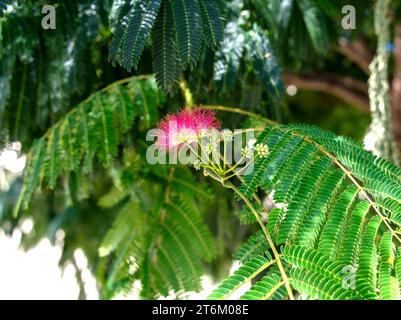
(348, 89)
(358, 52)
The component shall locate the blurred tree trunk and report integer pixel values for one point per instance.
(396, 86)
(379, 138)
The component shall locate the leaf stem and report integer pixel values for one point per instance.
(224, 155)
(229, 185)
(237, 173)
(240, 111)
(186, 92)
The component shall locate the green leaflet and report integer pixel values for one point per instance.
(366, 276)
(107, 132)
(244, 274)
(297, 209)
(389, 289)
(312, 260)
(187, 20)
(331, 233)
(294, 171)
(128, 219)
(352, 235)
(264, 289)
(187, 264)
(145, 98)
(122, 18)
(277, 14)
(88, 135)
(136, 20)
(256, 245)
(32, 175)
(316, 275)
(329, 187)
(277, 160)
(393, 209)
(212, 22)
(298, 28)
(43, 72)
(350, 153)
(274, 219)
(70, 143)
(53, 161)
(274, 141)
(166, 63)
(138, 30)
(328, 289)
(190, 220)
(124, 106)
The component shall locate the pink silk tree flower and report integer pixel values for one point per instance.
(185, 126)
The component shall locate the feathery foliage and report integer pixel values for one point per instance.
(338, 239)
(162, 242)
(177, 29)
(336, 216)
(254, 46)
(299, 26)
(244, 274)
(94, 127)
(44, 73)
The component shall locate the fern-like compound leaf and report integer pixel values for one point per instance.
(137, 20)
(265, 288)
(212, 21)
(243, 275)
(187, 20)
(90, 129)
(166, 63)
(389, 289)
(366, 276)
(337, 216)
(255, 245)
(53, 163)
